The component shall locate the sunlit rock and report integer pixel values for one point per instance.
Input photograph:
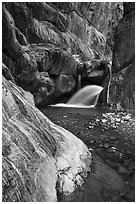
(40, 159)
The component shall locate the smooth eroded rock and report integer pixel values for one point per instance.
(39, 157)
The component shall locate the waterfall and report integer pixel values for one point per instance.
(59, 81)
(110, 76)
(86, 97)
(79, 81)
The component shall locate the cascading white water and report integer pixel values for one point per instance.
(59, 82)
(86, 97)
(79, 81)
(110, 76)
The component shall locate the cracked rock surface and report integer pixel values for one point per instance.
(40, 159)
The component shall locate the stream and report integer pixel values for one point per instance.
(109, 135)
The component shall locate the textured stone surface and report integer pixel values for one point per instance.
(124, 44)
(40, 159)
(47, 41)
(65, 83)
(62, 39)
(6, 73)
(124, 59)
(122, 87)
(39, 84)
(122, 80)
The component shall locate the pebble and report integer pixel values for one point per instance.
(90, 149)
(112, 138)
(90, 127)
(118, 119)
(120, 155)
(106, 145)
(122, 170)
(112, 149)
(104, 120)
(105, 128)
(92, 141)
(100, 145)
(112, 120)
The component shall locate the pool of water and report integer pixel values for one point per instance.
(106, 182)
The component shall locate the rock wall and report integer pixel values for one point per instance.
(123, 65)
(40, 160)
(44, 52)
(122, 81)
(42, 41)
(124, 42)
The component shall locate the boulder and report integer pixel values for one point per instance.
(40, 159)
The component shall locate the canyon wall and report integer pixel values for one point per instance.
(122, 82)
(46, 45)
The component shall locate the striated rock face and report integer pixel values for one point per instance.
(67, 39)
(124, 60)
(40, 159)
(122, 88)
(124, 44)
(122, 82)
(45, 37)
